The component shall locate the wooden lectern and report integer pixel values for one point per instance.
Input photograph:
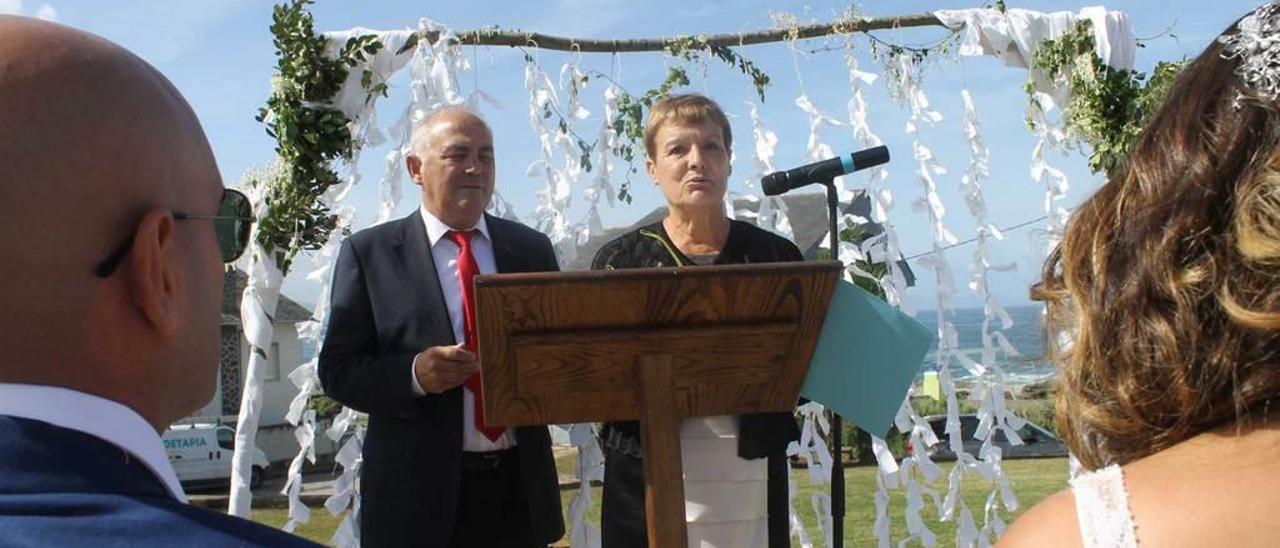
(656, 345)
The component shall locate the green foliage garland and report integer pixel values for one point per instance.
(309, 134)
(1108, 106)
(629, 124)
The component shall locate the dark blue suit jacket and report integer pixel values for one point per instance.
(386, 307)
(61, 487)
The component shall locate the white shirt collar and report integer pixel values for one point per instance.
(96, 416)
(436, 228)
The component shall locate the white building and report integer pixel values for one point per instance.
(275, 435)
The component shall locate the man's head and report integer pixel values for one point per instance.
(99, 149)
(452, 161)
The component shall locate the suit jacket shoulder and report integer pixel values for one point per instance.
(385, 233)
(519, 248)
(51, 473)
(512, 229)
(512, 236)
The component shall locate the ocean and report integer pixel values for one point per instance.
(1027, 367)
(1025, 337)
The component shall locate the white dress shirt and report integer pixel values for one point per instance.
(96, 416)
(445, 254)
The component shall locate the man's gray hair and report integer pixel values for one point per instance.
(418, 138)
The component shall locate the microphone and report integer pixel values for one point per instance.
(779, 182)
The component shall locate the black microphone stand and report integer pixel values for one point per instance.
(837, 426)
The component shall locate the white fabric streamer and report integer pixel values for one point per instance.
(590, 467)
(601, 185)
(813, 449)
(306, 437)
(819, 150)
(916, 529)
(435, 68)
(798, 531)
(906, 87)
(347, 535)
(821, 504)
(1053, 179)
(884, 247)
(882, 507)
(1014, 36)
(351, 97)
(772, 212)
(257, 308)
(881, 199)
(551, 214)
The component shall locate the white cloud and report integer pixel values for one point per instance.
(14, 7)
(47, 12)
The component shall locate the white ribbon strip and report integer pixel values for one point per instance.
(772, 211)
(257, 310)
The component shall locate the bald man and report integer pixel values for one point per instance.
(115, 226)
(399, 347)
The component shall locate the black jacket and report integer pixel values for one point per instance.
(387, 306)
(763, 435)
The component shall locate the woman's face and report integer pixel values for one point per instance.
(690, 164)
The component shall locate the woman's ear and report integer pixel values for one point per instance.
(153, 267)
(651, 168)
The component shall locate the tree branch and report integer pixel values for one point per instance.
(499, 37)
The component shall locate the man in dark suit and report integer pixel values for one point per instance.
(401, 346)
(103, 159)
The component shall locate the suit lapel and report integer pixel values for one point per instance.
(421, 281)
(505, 257)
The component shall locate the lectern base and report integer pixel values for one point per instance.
(660, 432)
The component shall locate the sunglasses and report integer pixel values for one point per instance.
(231, 225)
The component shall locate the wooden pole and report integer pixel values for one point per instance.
(512, 38)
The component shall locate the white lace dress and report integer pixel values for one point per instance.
(726, 503)
(1102, 509)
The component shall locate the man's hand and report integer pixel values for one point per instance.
(440, 368)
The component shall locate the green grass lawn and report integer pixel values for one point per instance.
(1031, 480)
(319, 528)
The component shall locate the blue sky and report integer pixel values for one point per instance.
(219, 54)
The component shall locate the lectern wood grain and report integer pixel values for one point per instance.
(656, 345)
(740, 337)
(664, 479)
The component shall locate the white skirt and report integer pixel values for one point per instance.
(726, 496)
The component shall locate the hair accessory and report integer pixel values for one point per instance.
(1256, 44)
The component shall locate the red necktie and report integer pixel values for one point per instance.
(467, 270)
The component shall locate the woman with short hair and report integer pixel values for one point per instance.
(734, 466)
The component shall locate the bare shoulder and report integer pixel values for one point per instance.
(1212, 490)
(1052, 522)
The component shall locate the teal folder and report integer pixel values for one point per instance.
(867, 357)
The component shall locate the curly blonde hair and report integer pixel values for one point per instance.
(1163, 299)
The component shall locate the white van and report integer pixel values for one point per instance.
(201, 453)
